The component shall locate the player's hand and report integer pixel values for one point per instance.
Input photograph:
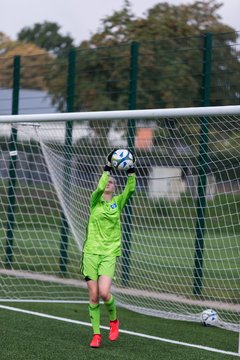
(131, 170)
(134, 157)
(109, 157)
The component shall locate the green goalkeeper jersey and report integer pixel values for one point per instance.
(104, 227)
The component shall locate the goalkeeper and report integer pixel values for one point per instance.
(102, 246)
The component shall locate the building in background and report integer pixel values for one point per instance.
(30, 102)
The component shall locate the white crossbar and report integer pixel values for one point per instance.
(123, 114)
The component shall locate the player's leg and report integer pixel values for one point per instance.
(104, 284)
(94, 313)
(106, 272)
(90, 272)
(93, 307)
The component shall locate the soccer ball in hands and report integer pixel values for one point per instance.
(122, 159)
(209, 317)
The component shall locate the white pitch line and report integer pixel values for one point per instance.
(122, 331)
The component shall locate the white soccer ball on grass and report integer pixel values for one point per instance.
(209, 317)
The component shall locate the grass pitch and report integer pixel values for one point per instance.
(27, 336)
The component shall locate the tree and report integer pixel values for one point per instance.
(3, 39)
(48, 37)
(170, 59)
(32, 60)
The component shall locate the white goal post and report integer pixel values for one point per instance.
(181, 229)
(123, 114)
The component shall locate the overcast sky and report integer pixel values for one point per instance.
(81, 18)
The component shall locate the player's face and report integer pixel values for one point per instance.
(110, 188)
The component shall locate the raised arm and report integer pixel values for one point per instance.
(129, 189)
(100, 188)
(102, 182)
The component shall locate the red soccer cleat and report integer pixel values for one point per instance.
(114, 330)
(96, 341)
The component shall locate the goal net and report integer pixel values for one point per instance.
(180, 231)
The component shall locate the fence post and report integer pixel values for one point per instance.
(202, 167)
(12, 165)
(127, 235)
(68, 155)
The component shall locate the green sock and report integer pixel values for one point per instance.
(94, 312)
(111, 308)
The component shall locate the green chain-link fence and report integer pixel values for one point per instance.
(169, 73)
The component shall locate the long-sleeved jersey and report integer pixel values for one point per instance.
(104, 227)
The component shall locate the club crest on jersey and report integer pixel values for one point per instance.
(113, 206)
